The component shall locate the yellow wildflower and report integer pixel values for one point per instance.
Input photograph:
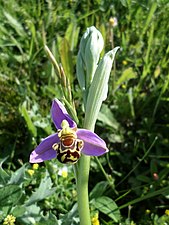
(148, 211)
(123, 86)
(35, 166)
(31, 172)
(124, 62)
(167, 212)
(95, 219)
(63, 172)
(9, 220)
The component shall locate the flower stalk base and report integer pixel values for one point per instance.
(82, 190)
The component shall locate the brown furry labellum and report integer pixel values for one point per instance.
(68, 149)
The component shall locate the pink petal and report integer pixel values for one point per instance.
(93, 144)
(44, 150)
(59, 113)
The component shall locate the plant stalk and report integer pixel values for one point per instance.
(82, 190)
(82, 183)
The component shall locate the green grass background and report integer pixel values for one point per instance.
(134, 120)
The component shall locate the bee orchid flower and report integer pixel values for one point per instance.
(69, 142)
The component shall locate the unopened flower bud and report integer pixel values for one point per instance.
(91, 46)
(155, 176)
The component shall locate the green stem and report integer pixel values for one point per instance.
(83, 168)
(82, 190)
(108, 178)
(82, 183)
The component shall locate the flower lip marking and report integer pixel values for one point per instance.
(69, 148)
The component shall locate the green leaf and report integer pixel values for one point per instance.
(18, 211)
(98, 89)
(15, 24)
(28, 120)
(126, 75)
(66, 59)
(49, 219)
(10, 194)
(44, 190)
(116, 138)
(149, 17)
(18, 176)
(107, 117)
(143, 178)
(71, 217)
(31, 216)
(107, 206)
(72, 34)
(99, 189)
(162, 191)
(124, 2)
(4, 176)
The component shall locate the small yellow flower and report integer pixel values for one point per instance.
(167, 212)
(123, 86)
(148, 211)
(63, 172)
(124, 62)
(31, 172)
(9, 220)
(95, 219)
(35, 166)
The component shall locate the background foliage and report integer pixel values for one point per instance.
(134, 120)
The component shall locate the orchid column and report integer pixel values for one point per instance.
(93, 79)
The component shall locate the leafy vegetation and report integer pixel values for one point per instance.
(129, 185)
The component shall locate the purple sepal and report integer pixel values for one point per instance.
(93, 144)
(44, 150)
(59, 113)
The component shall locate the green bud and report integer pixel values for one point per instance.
(99, 87)
(91, 46)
